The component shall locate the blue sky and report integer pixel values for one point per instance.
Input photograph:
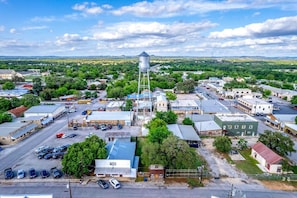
(159, 27)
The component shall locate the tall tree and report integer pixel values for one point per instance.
(30, 100)
(223, 144)
(81, 156)
(169, 117)
(8, 85)
(188, 121)
(276, 141)
(158, 134)
(37, 85)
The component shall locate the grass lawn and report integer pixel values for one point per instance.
(249, 164)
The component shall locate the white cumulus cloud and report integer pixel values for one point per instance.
(88, 8)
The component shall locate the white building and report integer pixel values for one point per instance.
(161, 103)
(269, 160)
(280, 93)
(51, 111)
(254, 106)
(237, 93)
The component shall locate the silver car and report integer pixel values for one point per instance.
(21, 174)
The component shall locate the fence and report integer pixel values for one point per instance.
(186, 173)
(275, 177)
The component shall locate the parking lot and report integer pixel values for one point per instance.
(31, 160)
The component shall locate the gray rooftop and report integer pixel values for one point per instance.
(184, 132)
(9, 127)
(285, 117)
(236, 118)
(207, 126)
(200, 118)
(213, 106)
(44, 108)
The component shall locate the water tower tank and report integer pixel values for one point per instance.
(144, 62)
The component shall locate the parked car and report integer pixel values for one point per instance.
(103, 127)
(32, 173)
(72, 135)
(21, 174)
(59, 135)
(1, 149)
(114, 183)
(56, 173)
(64, 136)
(44, 173)
(40, 149)
(58, 155)
(8, 173)
(48, 156)
(103, 184)
(41, 155)
(109, 126)
(75, 128)
(120, 126)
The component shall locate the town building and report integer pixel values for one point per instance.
(278, 121)
(184, 107)
(237, 124)
(115, 106)
(18, 93)
(280, 93)
(161, 103)
(268, 159)
(237, 93)
(291, 129)
(125, 118)
(13, 132)
(186, 133)
(254, 106)
(49, 110)
(212, 107)
(208, 128)
(201, 117)
(18, 111)
(120, 162)
(9, 74)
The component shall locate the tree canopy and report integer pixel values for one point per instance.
(276, 141)
(169, 117)
(8, 85)
(170, 95)
(188, 121)
(81, 156)
(172, 153)
(186, 86)
(223, 144)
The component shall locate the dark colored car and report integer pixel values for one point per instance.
(8, 173)
(58, 155)
(44, 173)
(103, 184)
(41, 155)
(72, 135)
(32, 173)
(109, 126)
(56, 173)
(48, 156)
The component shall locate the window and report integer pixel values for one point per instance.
(250, 126)
(224, 127)
(236, 127)
(243, 126)
(229, 126)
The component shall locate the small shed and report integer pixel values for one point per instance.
(156, 171)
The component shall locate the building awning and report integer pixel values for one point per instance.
(275, 122)
(47, 120)
(112, 171)
(23, 131)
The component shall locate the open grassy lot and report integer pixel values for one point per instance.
(249, 164)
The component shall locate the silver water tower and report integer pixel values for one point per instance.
(144, 99)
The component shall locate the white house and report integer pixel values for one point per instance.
(254, 106)
(51, 111)
(161, 103)
(268, 159)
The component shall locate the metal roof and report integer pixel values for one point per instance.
(200, 118)
(285, 117)
(212, 106)
(184, 132)
(9, 127)
(207, 126)
(144, 54)
(120, 150)
(236, 118)
(23, 131)
(270, 156)
(44, 108)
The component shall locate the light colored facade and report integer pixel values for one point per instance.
(237, 124)
(115, 105)
(268, 159)
(212, 107)
(8, 74)
(124, 118)
(161, 103)
(291, 129)
(184, 107)
(280, 93)
(52, 111)
(238, 93)
(254, 106)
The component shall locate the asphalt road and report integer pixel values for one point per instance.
(79, 191)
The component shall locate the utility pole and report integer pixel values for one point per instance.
(69, 187)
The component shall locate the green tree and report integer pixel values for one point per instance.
(8, 85)
(29, 100)
(296, 120)
(169, 117)
(294, 100)
(276, 141)
(81, 156)
(170, 95)
(186, 86)
(5, 117)
(5, 104)
(92, 87)
(158, 134)
(188, 121)
(37, 85)
(241, 144)
(223, 144)
(128, 105)
(155, 122)
(177, 154)
(266, 93)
